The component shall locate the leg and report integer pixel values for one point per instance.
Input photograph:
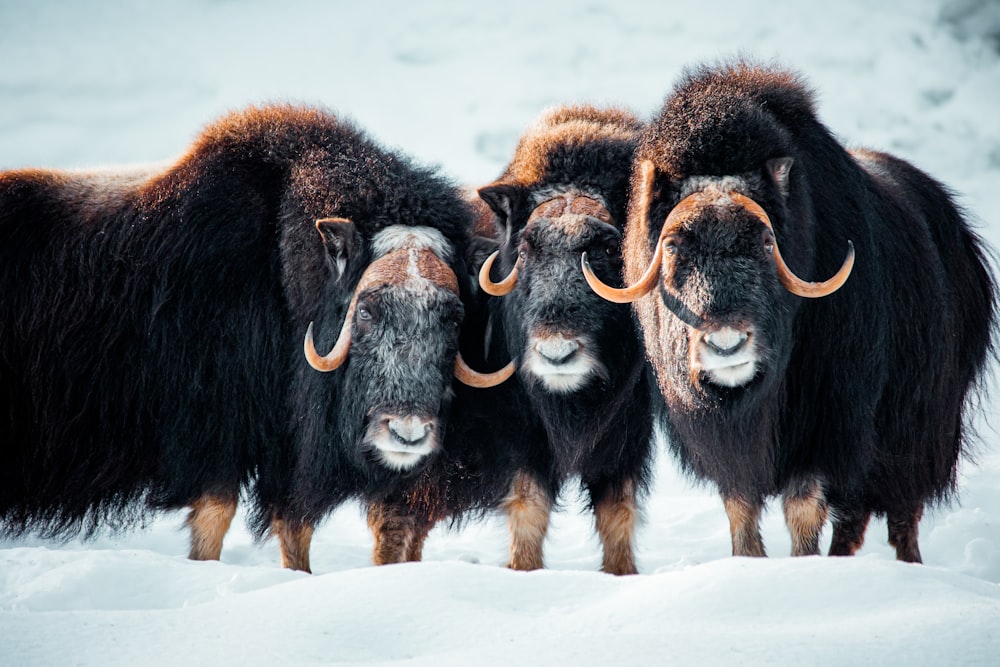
(399, 537)
(209, 521)
(527, 507)
(293, 540)
(616, 517)
(744, 525)
(415, 551)
(849, 527)
(903, 529)
(806, 510)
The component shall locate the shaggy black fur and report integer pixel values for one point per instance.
(151, 325)
(864, 390)
(601, 431)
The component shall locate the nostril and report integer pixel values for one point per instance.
(408, 430)
(556, 349)
(727, 340)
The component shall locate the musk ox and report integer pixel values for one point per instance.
(151, 328)
(581, 403)
(849, 395)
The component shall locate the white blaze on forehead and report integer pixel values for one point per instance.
(418, 257)
(420, 285)
(403, 237)
(412, 267)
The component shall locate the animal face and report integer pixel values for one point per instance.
(400, 337)
(554, 321)
(717, 263)
(404, 344)
(718, 314)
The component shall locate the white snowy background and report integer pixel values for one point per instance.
(104, 82)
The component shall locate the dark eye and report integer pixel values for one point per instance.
(364, 314)
(671, 244)
(768, 240)
(522, 254)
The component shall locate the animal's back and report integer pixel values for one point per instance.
(131, 300)
(943, 344)
(721, 120)
(60, 337)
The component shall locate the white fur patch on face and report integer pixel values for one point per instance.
(728, 357)
(401, 442)
(563, 365)
(403, 237)
(424, 291)
(400, 461)
(413, 267)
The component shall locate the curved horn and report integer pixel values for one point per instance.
(501, 288)
(627, 294)
(647, 172)
(338, 355)
(789, 280)
(466, 375)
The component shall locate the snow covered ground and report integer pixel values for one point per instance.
(98, 82)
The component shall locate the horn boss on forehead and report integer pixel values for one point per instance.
(396, 268)
(549, 209)
(685, 207)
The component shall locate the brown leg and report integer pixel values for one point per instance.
(744, 520)
(805, 513)
(527, 507)
(209, 521)
(293, 540)
(848, 531)
(399, 537)
(415, 551)
(903, 530)
(616, 518)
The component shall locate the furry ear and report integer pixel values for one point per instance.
(507, 202)
(778, 169)
(480, 248)
(340, 239)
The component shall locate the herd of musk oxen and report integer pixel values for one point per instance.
(294, 315)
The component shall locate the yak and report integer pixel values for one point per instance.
(152, 326)
(580, 406)
(849, 397)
